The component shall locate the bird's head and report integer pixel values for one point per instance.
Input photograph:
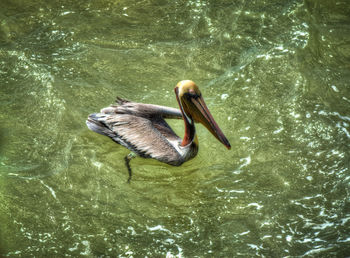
(193, 108)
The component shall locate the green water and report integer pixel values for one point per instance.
(275, 75)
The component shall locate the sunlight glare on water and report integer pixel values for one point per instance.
(274, 75)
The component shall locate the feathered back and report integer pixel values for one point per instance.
(141, 128)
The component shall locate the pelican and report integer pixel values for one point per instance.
(142, 129)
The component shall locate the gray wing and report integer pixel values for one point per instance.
(141, 128)
(142, 110)
(146, 137)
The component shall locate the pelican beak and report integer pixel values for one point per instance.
(202, 115)
(194, 106)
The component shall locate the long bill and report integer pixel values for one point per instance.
(198, 110)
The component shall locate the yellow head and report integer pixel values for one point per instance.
(194, 108)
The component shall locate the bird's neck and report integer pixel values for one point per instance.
(190, 132)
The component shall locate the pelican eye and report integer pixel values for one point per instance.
(192, 94)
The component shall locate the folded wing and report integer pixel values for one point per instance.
(141, 128)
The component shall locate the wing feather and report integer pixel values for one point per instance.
(141, 128)
(141, 136)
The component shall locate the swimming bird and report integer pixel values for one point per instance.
(142, 129)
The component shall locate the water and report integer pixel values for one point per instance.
(274, 74)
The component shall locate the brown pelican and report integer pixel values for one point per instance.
(142, 129)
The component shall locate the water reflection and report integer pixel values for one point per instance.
(275, 77)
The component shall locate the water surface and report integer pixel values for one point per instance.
(274, 74)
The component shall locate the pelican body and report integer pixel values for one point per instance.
(142, 127)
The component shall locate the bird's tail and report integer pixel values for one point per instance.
(96, 123)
